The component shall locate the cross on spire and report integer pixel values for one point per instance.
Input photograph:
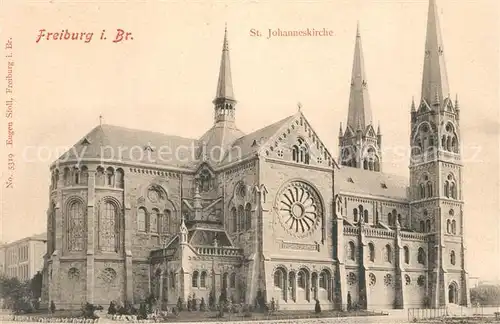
(100, 120)
(299, 106)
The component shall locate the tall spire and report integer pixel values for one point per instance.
(359, 102)
(434, 79)
(225, 83)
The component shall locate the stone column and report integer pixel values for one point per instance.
(91, 225)
(340, 273)
(362, 284)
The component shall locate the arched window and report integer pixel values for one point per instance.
(248, 216)
(234, 220)
(448, 226)
(225, 277)
(108, 228)
(365, 164)
(66, 177)
(428, 225)
(454, 145)
(452, 258)
(301, 280)
(141, 219)
(365, 220)
(241, 218)
(232, 280)
(399, 219)
(323, 279)
(429, 189)
(153, 221)
(407, 254)
(453, 189)
(388, 253)
(422, 191)
(371, 251)
(119, 178)
(203, 279)
(389, 219)
(194, 279)
(300, 152)
(99, 177)
(422, 226)
(205, 181)
(351, 251)
(84, 175)
(447, 189)
(76, 176)
(110, 174)
(454, 227)
(76, 226)
(421, 256)
(279, 277)
(169, 222)
(355, 213)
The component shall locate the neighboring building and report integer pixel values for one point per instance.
(271, 214)
(23, 258)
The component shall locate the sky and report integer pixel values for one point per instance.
(164, 79)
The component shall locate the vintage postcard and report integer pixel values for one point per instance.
(310, 161)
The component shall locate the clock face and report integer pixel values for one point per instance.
(300, 209)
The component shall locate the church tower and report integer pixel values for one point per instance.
(436, 175)
(224, 131)
(359, 145)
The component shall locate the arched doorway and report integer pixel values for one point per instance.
(453, 293)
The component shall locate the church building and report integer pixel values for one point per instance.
(271, 213)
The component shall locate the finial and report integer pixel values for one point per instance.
(457, 107)
(225, 46)
(358, 34)
(100, 120)
(378, 129)
(341, 132)
(413, 104)
(299, 106)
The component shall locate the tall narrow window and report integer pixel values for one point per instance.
(388, 253)
(351, 251)
(365, 216)
(407, 254)
(194, 279)
(99, 177)
(205, 181)
(234, 220)
(232, 280)
(421, 256)
(119, 178)
(108, 228)
(301, 280)
(76, 226)
(110, 177)
(241, 218)
(355, 213)
(428, 225)
(141, 219)
(203, 279)
(371, 249)
(452, 258)
(153, 221)
(84, 175)
(248, 217)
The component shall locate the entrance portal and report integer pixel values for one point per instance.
(453, 293)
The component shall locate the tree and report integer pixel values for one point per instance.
(17, 294)
(36, 285)
(485, 295)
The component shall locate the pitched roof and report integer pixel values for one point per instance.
(359, 181)
(250, 144)
(132, 145)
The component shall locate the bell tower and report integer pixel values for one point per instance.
(436, 175)
(359, 145)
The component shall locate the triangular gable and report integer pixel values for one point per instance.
(370, 131)
(424, 107)
(205, 166)
(301, 124)
(349, 132)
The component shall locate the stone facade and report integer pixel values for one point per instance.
(272, 215)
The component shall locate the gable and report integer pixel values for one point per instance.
(294, 136)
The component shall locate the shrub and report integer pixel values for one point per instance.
(143, 312)
(203, 307)
(180, 304)
(52, 307)
(88, 311)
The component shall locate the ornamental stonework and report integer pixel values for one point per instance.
(299, 208)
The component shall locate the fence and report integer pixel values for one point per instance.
(426, 313)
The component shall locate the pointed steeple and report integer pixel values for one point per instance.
(224, 96)
(434, 79)
(413, 109)
(457, 106)
(359, 114)
(378, 129)
(341, 132)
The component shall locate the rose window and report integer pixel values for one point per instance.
(373, 279)
(108, 275)
(300, 208)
